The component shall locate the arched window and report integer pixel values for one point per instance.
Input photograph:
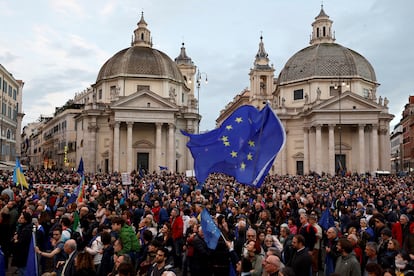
(8, 136)
(324, 31)
(142, 36)
(317, 32)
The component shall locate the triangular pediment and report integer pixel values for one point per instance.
(298, 155)
(144, 99)
(348, 101)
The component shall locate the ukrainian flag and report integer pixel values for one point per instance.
(18, 176)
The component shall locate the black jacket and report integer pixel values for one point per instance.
(20, 248)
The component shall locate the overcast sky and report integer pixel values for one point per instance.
(57, 47)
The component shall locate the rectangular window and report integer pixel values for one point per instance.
(366, 93)
(0, 83)
(298, 94)
(10, 91)
(142, 87)
(9, 114)
(100, 94)
(113, 90)
(182, 98)
(4, 86)
(14, 94)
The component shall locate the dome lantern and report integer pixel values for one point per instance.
(142, 36)
(322, 29)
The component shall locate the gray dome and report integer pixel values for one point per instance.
(326, 60)
(139, 61)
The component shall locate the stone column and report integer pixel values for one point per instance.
(331, 150)
(305, 150)
(284, 168)
(385, 153)
(374, 148)
(171, 147)
(92, 149)
(318, 149)
(129, 146)
(361, 139)
(116, 147)
(158, 127)
(189, 157)
(386, 150)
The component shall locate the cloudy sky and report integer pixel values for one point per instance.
(58, 47)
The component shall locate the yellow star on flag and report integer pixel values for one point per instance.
(242, 166)
(233, 154)
(251, 143)
(249, 156)
(229, 127)
(226, 143)
(225, 138)
(239, 120)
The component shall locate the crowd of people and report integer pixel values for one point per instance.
(292, 225)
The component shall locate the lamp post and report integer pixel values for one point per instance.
(199, 78)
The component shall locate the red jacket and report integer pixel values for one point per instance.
(177, 227)
(397, 232)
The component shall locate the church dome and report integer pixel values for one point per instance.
(326, 60)
(140, 61)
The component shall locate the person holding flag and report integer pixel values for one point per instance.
(200, 263)
(21, 243)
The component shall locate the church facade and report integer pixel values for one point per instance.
(133, 113)
(326, 97)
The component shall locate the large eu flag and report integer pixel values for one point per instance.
(244, 147)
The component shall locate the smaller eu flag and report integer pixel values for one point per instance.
(326, 220)
(31, 265)
(245, 146)
(221, 196)
(210, 230)
(80, 167)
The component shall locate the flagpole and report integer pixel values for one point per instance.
(34, 229)
(221, 234)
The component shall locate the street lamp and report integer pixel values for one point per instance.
(199, 78)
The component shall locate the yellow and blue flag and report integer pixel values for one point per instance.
(245, 146)
(18, 176)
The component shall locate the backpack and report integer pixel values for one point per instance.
(75, 235)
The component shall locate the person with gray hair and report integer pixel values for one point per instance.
(371, 251)
(357, 249)
(272, 265)
(285, 238)
(331, 251)
(402, 229)
(70, 249)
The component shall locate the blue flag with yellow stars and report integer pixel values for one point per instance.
(244, 147)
